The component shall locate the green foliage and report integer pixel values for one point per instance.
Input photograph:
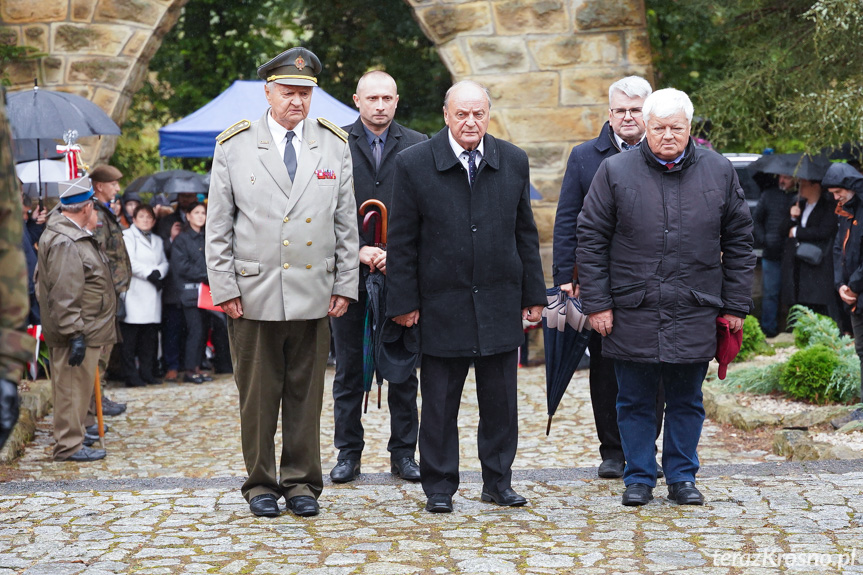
(844, 383)
(754, 342)
(808, 373)
(753, 379)
(812, 328)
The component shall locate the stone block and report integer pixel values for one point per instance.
(570, 50)
(548, 185)
(588, 86)
(92, 39)
(33, 11)
(748, 419)
(816, 416)
(9, 36)
(841, 452)
(21, 434)
(553, 124)
(106, 99)
(102, 70)
(37, 398)
(530, 17)
(443, 23)
(53, 71)
(599, 14)
(37, 37)
(851, 426)
(135, 45)
(547, 156)
(533, 89)
(638, 48)
(454, 58)
(787, 441)
(497, 127)
(21, 74)
(493, 55)
(138, 11)
(543, 215)
(82, 10)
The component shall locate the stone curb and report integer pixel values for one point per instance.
(36, 403)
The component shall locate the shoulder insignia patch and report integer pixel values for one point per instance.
(333, 128)
(233, 131)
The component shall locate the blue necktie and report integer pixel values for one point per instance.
(471, 166)
(290, 156)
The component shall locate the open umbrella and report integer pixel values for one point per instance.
(25, 150)
(376, 289)
(799, 165)
(171, 182)
(566, 332)
(44, 170)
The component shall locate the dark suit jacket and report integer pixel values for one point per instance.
(580, 169)
(467, 258)
(368, 184)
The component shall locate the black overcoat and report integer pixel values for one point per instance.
(467, 258)
(801, 282)
(667, 251)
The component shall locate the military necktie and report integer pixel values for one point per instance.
(376, 152)
(290, 156)
(471, 165)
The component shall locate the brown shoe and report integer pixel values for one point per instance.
(171, 375)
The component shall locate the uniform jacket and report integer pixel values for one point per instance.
(143, 300)
(109, 234)
(283, 248)
(74, 286)
(583, 162)
(667, 251)
(369, 184)
(467, 258)
(189, 265)
(801, 282)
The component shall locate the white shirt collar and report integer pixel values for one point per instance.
(278, 131)
(458, 150)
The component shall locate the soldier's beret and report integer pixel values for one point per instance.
(105, 173)
(295, 67)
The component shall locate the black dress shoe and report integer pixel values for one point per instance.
(685, 493)
(87, 454)
(193, 378)
(406, 468)
(637, 494)
(265, 505)
(659, 472)
(94, 429)
(439, 503)
(90, 439)
(136, 383)
(508, 497)
(345, 470)
(611, 468)
(304, 506)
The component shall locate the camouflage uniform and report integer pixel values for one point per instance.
(109, 234)
(16, 347)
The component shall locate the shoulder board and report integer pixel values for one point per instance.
(233, 131)
(333, 128)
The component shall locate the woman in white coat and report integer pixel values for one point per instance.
(140, 327)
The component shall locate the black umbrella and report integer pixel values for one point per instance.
(566, 332)
(25, 150)
(850, 152)
(170, 182)
(799, 165)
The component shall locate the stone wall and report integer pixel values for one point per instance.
(98, 49)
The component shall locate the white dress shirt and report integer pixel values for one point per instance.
(462, 154)
(279, 133)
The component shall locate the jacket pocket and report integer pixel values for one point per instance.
(247, 268)
(706, 299)
(629, 295)
(331, 264)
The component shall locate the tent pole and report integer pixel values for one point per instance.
(161, 163)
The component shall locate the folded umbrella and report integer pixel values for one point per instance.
(727, 345)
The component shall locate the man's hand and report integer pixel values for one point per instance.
(39, 215)
(408, 319)
(848, 296)
(735, 323)
(176, 228)
(795, 212)
(570, 289)
(375, 258)
(338, 306)
(602, 322)
(232, 307)
(77, 349)
(532, 313)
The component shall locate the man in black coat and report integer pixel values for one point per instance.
(375, 139)
(664, 248)
(623, 131)
(464, 259)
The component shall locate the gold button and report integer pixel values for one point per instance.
(286, 266)
(243, 272)
(308, 220)
(308, 243)
(308, 266)
(287, 219)
(286, 242)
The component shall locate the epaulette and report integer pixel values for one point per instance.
(233, 131)
(333, 128)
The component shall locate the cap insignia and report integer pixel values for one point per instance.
(300, 63)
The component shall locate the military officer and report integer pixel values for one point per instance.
(78, 303)
(16, 347)
(282, 255)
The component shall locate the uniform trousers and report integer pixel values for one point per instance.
(603, 399)
(348, 393)
(441, 383)
(73, 388)
(280, 363)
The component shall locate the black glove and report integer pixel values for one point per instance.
(9, 406)
(77, 349)
(155, 278)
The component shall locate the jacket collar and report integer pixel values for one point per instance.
(445, 159)
(64, 226)
(605, 140)
(689, 157)
(357, 132)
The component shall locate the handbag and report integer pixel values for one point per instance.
(809, 253)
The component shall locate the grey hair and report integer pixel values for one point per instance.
(667, 102)
(466, 83)
(632, 86)
(74, 208)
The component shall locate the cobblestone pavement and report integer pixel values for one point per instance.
(166, 500)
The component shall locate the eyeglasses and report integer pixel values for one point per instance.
(621, 112)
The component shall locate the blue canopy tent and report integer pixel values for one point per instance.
(195, 135)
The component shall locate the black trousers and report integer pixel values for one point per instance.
(139, 341)
(442, 382)
(348, 393)
(603, 399)
(198, 325)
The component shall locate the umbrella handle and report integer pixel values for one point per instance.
(99, 415)
(383, 209)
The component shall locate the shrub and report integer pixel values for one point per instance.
(753, 379)
(808, 374)
(754, 341)
(812, 328)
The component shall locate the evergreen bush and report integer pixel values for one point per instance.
(807, 374)
(754, 341)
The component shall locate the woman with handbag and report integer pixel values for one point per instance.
(807, 262)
